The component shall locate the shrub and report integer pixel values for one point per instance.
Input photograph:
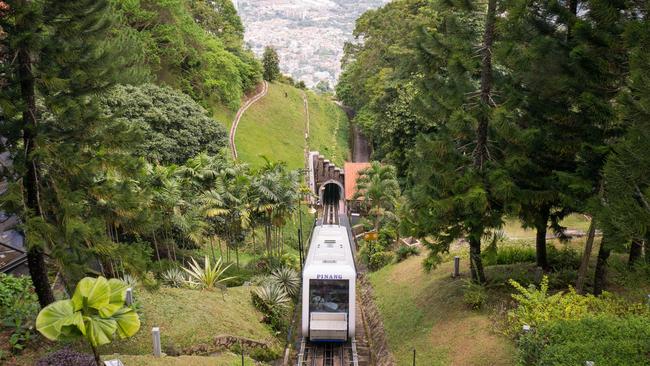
(474, 295)
(565, 258)
(406, 251)
(207, 277)
(67, 357)
(288, 279)
(536, 307)
(606, 340)
(379, 260)
(509, 255)
(18, 308)
(173, 277)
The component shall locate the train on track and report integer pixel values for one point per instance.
(329, 283)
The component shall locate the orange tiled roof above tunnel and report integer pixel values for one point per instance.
(351, 174)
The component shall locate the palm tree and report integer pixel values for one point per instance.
(231, 200)
(378, 187)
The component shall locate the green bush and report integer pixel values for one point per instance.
(535, 307)
(509, 255)
(18, 309)
(606, 340)
(406, 251)
(474, 295)
(565, 258)
(379, 260)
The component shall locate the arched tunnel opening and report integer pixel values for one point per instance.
(331, 194)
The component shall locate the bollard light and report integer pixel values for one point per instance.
(456, 266)
(526, 328)
(590, 363)
(155, 334)
(129, 296)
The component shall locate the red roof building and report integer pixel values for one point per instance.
(351, 174)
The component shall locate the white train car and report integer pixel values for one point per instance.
(329, 286)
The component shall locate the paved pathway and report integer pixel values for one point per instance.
(240, 113)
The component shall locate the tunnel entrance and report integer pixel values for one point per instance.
(331, 194)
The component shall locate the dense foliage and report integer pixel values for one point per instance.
(174, 128)
(519, 108)
(605, 340)
(569, 328)
(195, 46)
(18, 308)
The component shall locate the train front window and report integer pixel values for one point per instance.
(329, 296)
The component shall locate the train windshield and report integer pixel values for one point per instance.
(329, 296)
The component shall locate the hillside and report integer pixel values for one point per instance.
(274, 127)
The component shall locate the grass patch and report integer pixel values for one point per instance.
(274, 127)
(426, 312)
(225, 359)
(191, 317)
(329, 130)
(513, 229)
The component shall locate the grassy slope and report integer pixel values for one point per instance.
(274, 127)
(325, 118)
(425, 312)
(226, 359)
(189, 317)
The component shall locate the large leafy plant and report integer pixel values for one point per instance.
(96, 312)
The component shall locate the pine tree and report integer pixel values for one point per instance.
(67, 57)
(457, 183)
(564, 71)
(625, 209)
(271, 63)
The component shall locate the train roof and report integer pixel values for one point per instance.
(329, 252)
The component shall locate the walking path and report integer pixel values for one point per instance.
(240, 113)
(305, 104)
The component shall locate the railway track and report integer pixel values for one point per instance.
(331, 214)
(327, 354)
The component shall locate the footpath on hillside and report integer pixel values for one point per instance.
(240, 113)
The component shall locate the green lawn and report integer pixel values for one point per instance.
(425, 312)
(191, 317)
(225, 359)
(274, 127)
(513, 229)
(328, 129)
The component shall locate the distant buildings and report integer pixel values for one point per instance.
(308, 34)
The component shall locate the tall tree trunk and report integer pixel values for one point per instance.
(267, 235)
(214, 256)
(635, 252)
(481, 153)
(541, 224)
(601, 266)
(476, 263)
(586, 255)
(155, 243)
(573, 8)
(35, 253)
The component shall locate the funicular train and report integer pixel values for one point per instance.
(329, 286)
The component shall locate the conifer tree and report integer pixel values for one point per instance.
(564, 71)
(67, 56)
(271, 63)
(457, 183)
(624, 209)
